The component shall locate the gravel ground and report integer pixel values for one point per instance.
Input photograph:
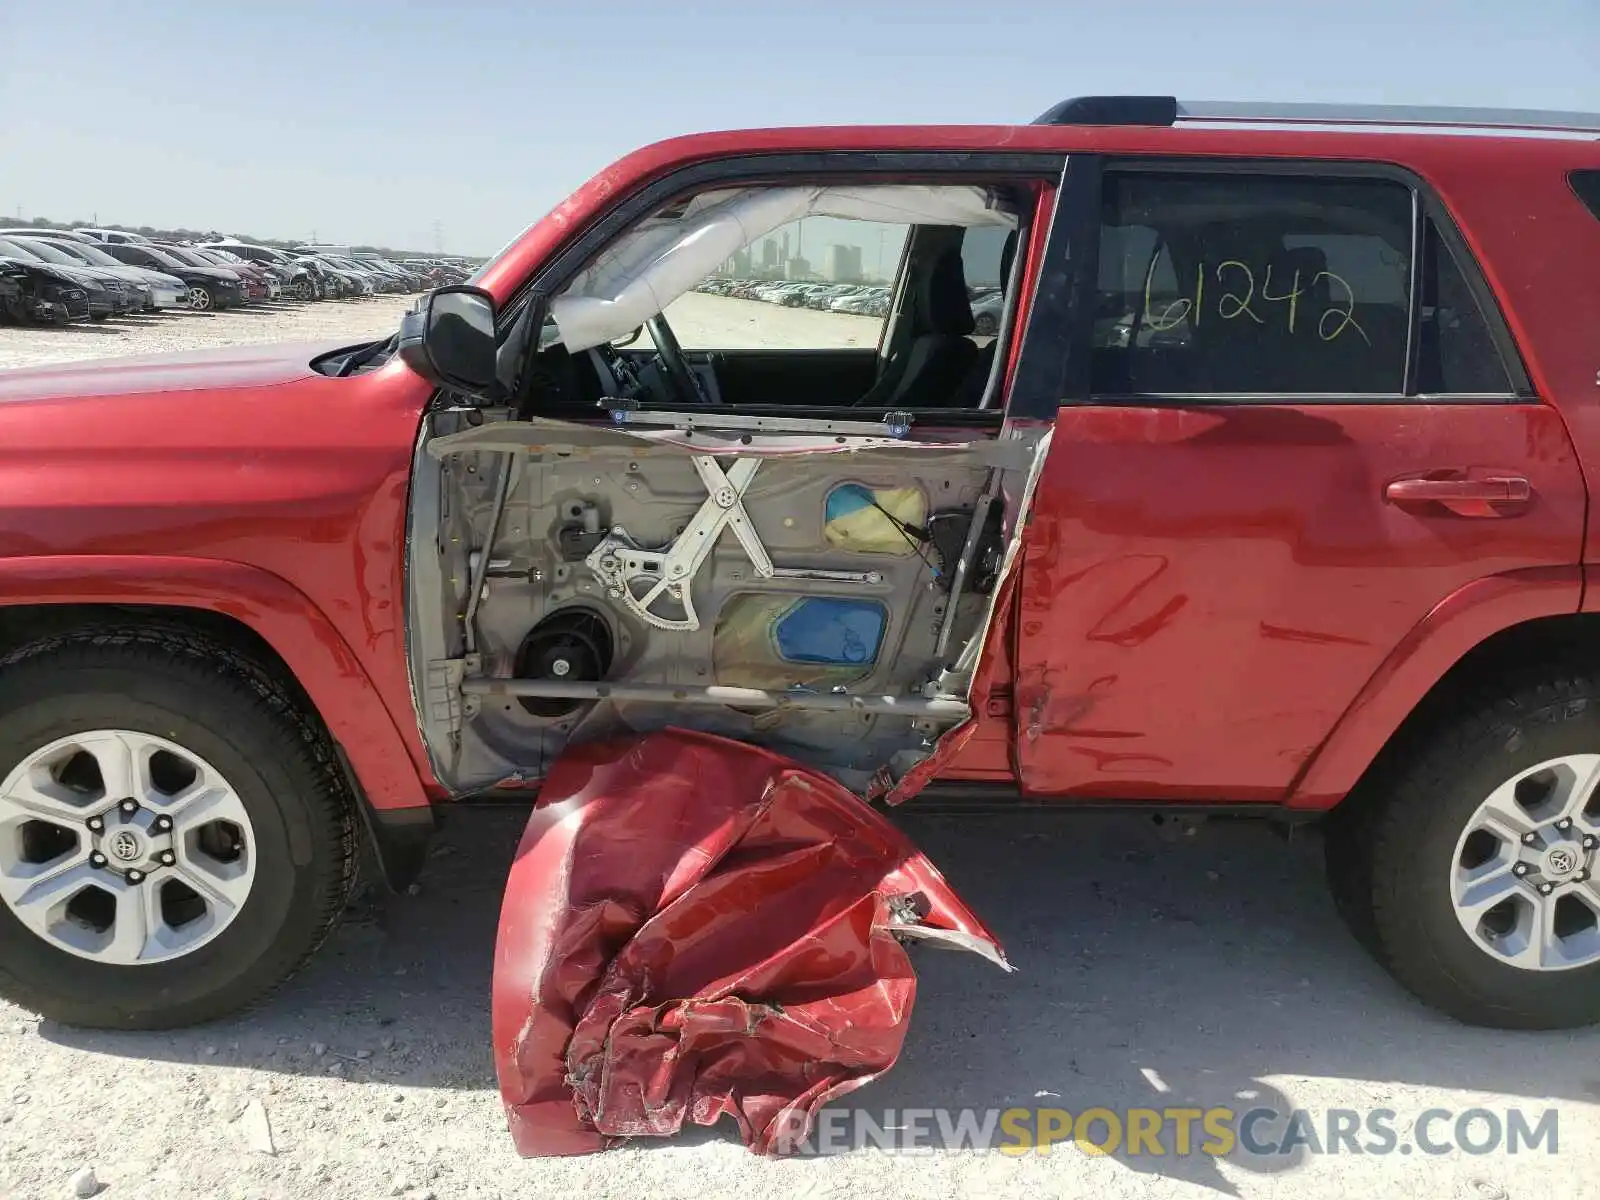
(1203, 970)
(26, 346)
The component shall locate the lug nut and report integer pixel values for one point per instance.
(163, 823)
(1589, 841)
(168, 858)
(1529, 839)
(1544, 888)
(1564, 824)
(129, 806)
(95, 824)
(1519, 870)
(97, 859)
(138, 877)
(1580, 877)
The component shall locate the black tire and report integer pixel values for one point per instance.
(1391, 856)
(209, 698)
(985, 325)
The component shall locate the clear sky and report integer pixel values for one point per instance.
(370, 120)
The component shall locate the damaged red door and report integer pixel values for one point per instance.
(694, 927)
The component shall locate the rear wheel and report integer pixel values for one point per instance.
(175, 837)
(1471, 869)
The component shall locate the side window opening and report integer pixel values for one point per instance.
(840, 267)
(875, 297)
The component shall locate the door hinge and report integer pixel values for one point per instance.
(999, 702)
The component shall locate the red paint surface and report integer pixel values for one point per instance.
(313, 650)
(247, 456)
(695, 928)
(238, 481)
(1467, 617)
(1206, 590)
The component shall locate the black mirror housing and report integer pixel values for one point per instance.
(449, 339)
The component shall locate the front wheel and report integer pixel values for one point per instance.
(202, 298)
(1472, 871)
(175, 836)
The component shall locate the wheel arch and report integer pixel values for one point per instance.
(249, 608)
(1513, 618)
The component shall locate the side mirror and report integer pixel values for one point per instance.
(448, 339)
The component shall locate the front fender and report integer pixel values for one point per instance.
(283, 616)
(1457, 624)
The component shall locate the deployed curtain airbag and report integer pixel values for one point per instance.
(664, 257)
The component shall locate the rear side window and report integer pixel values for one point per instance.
(1456, 351)
(1587, 185)
(1245, 283)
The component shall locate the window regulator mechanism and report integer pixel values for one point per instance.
(648, 580)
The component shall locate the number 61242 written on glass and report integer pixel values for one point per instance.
(1233, 277)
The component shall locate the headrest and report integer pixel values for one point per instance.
(946, 307)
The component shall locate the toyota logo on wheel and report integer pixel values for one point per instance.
(124, 846)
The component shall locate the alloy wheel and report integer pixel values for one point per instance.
(123, 847)
(199, 299)
(1523, 879)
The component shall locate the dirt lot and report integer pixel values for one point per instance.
(1206, 970)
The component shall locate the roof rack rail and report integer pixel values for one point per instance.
(1169, 110)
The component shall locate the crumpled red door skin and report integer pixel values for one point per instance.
(693, 928)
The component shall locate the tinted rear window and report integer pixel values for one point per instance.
(1587, 185)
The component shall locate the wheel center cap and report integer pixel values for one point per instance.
(125, 846)
(1560, 861)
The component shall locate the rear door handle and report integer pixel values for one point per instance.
(1464, 497)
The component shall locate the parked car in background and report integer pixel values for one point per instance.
(986, 312)
(298, 281)
(164, 291)
(275, 277)
(107, 295)
(129, 286)
(37, 293)
(346, 281)
(257, 282)
(250, 288)
(326, 283)
(210, 286)
(368, 275)
(119, 236)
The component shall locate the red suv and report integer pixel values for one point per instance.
(1265, 491)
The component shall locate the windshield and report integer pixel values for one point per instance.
(13, 250)
(88, 254)
(165, 258)
(186, 256)
(50, 254)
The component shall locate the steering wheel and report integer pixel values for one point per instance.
(673, 364)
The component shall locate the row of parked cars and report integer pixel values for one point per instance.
(59, 276)
(860, 299)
